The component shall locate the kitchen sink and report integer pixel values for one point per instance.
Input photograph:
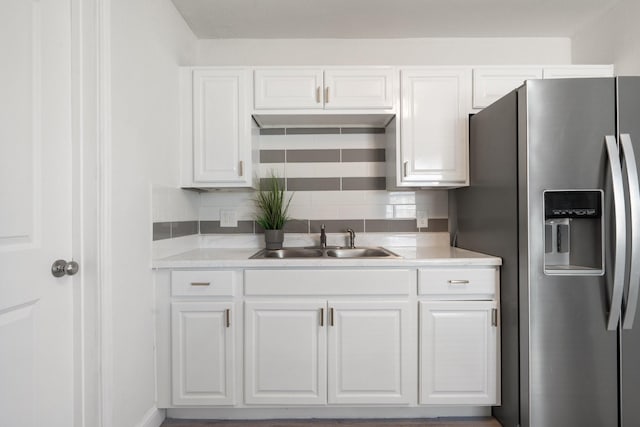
(332, 252)
(360, 253)
(289, 253)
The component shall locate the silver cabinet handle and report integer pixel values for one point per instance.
(331, 316)
(228, 314)
(621, 232)
(494, 317)
(241, 168)
(321, 316)
(458, 282)
(200, 283)
(405, 167)
(326, 95)
(318, 94)
(634, 204)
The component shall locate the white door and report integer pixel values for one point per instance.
(36, 312)
(368, 352)
(285, 353)
(458, 353)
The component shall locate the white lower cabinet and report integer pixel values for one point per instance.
(368, 352)
(288, 346)
(285, 353)
(203, 353)
(312, 337)
(458, 352)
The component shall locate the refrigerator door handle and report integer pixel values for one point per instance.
(620, 234)
(634, 204)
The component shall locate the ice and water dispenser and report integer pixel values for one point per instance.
(573, 232)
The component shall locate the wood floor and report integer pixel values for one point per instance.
(433, 422)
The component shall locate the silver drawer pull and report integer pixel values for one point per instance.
(458, 282)
(200, 283)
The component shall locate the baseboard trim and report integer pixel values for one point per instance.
(328, 412)
(153, 418)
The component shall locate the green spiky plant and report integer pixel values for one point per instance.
(272, 206)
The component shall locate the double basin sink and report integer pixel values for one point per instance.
(328, 252)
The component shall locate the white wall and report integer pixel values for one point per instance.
(613, 38)
(149, 41)
(435, 51)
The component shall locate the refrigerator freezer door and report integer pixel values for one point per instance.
(631, 308)
(572, 367)
(629, 123)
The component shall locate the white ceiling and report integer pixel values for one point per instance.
(211, 19)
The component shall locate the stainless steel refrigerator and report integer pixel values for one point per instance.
(554, 192)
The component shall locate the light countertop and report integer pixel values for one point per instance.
(419, 256)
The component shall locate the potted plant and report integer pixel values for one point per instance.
(272, 212)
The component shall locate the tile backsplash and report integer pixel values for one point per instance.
(335, 176)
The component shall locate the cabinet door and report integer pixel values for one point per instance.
(360, 88)
(202, 353)
(434, 116)
(458, 353)
(285, 350)
(282, 89)
(578, 71)
(221, 128)
(491, 84)
(368, 352)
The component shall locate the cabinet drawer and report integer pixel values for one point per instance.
(327, 282)
(211, 283)
(467, 281)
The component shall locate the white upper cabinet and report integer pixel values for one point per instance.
(280, 89)
(577, 71)
(358, 88)
(218, 138)
(491, 84)
(317, 89)
(433, 149)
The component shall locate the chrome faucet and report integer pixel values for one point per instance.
(352, 238)
(323, 236)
